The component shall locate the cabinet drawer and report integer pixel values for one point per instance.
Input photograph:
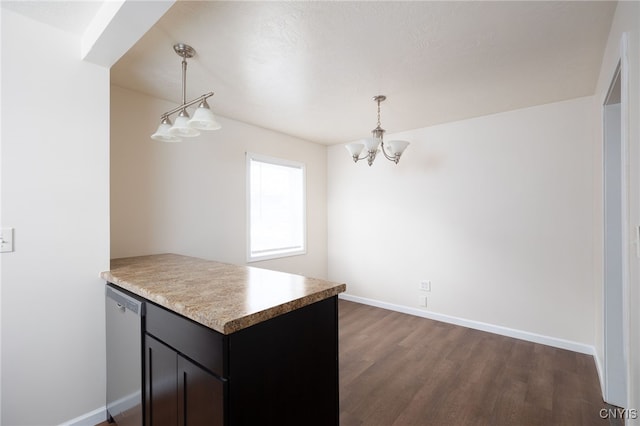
(195, 341)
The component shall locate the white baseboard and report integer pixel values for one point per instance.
(496, 329)
(93, 418)
(600, 370)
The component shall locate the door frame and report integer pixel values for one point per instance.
(615, 303)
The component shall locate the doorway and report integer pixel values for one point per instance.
(615, 246)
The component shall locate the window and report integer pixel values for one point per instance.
(276, 208)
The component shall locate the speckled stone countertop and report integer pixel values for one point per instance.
(221, 296)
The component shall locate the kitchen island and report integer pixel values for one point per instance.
(233, 345)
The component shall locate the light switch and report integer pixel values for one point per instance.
(6, 240)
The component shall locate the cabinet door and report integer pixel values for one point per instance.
(161, 387)
(200, 396)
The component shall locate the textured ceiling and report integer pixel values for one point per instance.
(310, 69)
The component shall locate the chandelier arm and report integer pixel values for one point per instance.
(388, 157)
(187, 104)
(356, 159)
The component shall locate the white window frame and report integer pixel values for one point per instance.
(276, 252)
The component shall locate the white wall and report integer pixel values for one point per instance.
(189, 197)
(496, 211)
(626, 20)
(55, 183)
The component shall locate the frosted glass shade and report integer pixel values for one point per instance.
(371, 144)
(181, 126)
(355, 148)
(203, 118)
(162, 134)
(397, 147)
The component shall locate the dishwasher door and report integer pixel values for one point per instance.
(124, 319)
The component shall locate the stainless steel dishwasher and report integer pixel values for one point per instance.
(124, 327)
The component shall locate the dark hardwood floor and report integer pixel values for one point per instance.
(402, 370)
(398, 369)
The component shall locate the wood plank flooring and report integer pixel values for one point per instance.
(402, 370)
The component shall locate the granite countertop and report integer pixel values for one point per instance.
(221, 296)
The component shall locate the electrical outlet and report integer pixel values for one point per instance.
(425, 285)
(423, 300)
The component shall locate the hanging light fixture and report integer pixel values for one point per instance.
(395, 148)
(185, 126)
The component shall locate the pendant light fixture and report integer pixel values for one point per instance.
(395, 148)
(203, 118)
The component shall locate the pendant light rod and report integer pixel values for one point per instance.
(184, 51)
(188, 104)
(184, 81)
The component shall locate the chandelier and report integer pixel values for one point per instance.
(185, 126)
(394, 148)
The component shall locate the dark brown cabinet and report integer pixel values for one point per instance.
(200, 396)
(161, 405)
(283, 371)
(178, 391)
